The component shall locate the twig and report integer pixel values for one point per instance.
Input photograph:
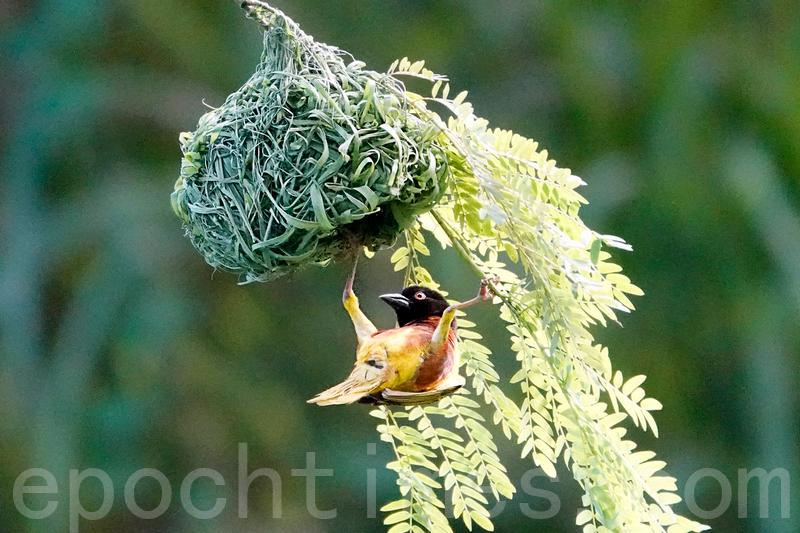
(263, 13)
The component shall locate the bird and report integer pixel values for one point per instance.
(414, 363)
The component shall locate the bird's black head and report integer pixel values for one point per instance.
(415, 303)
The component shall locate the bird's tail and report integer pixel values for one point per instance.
(363, 380)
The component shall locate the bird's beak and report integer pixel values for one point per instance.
(396, 301)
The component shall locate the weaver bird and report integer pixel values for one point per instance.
(414, 363)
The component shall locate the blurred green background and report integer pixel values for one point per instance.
(121, 350)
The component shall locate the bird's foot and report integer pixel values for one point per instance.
(486, 292)
(348, 296)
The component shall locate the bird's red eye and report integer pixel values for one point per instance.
(420, 295)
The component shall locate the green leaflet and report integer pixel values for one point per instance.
(509, 203)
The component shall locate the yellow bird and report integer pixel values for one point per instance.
(414, 363)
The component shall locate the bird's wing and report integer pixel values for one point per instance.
(399, 351)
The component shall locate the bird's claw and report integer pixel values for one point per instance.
(348, 295)
(486, 292)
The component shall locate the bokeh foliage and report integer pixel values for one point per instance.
(121, 350)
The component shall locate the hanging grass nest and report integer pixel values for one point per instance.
(311, 156)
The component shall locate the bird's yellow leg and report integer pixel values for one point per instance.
(442, 330)
(363, 326)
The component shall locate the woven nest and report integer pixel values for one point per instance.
(312, 156)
